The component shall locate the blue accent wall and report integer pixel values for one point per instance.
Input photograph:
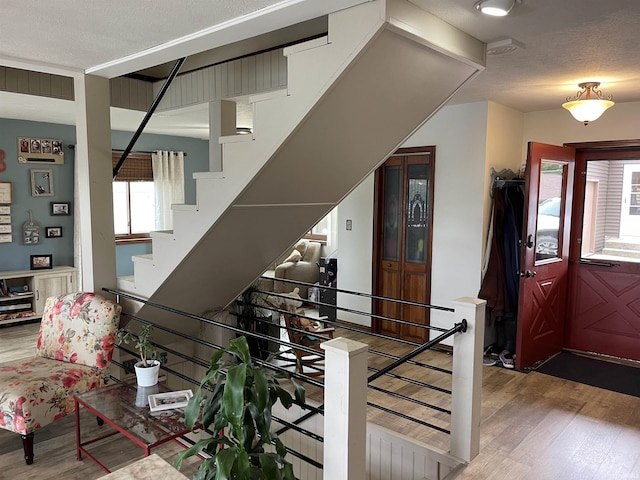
(15, 255)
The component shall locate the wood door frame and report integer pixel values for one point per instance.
(579, 271)
(378, 210)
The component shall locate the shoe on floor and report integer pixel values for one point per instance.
(488, 361)
(506, 359)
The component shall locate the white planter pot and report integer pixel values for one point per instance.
(147, 376)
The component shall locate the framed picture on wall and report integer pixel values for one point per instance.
(41, 183)
(41, 262)
(6, 193)
(53, 232)
(60, 208)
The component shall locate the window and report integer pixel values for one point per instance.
(321, 231)
(133, 199)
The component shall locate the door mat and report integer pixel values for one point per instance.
(597, 373)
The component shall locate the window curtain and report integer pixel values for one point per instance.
(168, 180)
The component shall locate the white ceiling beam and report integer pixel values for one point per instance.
(283, 14)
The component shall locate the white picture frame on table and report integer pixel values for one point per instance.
(169, 400)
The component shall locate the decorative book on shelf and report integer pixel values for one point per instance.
(15, 306)
(15, 315)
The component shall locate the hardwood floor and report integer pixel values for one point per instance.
(534, 427)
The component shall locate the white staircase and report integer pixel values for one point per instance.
(351, 99)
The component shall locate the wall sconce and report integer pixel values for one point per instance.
(496, 8)
(584, 108)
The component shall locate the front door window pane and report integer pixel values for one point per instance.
(550, 199)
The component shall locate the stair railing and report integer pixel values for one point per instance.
(383, 397)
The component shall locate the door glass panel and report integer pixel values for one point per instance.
(550, 200)
(391, 214)
(417, 208)
(611, 218)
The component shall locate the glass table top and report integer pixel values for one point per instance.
(127, 406)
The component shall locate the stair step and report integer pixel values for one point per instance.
(144, 258)
(185, 207)
(264, 97)
(162, 234)
(301, 47)
(619, 252)
(622, 244)
(245, 137)
(207, 175)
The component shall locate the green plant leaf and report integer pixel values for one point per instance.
(280, 448)
(261, 386)
(269, 466)
(196, 448)
(224, 461)
(233, 395)
(240, 348)
(192, 410)
(206, 470)
(284, 396)
(288, 471)
(299, 392)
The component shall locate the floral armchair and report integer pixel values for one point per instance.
(75, 346)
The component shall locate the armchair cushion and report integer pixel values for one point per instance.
(305, 270)
(78, 328)
(39, 391)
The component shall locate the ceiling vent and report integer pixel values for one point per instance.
(502, 47)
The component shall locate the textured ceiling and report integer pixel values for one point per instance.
(565, 42)
(81, 34)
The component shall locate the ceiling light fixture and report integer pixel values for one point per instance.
(496, 8)
(584, 108)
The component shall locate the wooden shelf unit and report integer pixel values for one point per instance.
(33, 288)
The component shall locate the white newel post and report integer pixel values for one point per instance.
(467, 379)
(345, 409)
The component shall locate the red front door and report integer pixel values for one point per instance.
(545, 253)
(604, 302)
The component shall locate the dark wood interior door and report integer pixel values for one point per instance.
(402, 248)
(545, 253)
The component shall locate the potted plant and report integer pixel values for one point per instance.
(148, 367)
(234, 400)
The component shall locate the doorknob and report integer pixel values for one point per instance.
(530, 273)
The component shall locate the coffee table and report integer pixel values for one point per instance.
(125, 408)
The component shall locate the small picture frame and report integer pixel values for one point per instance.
(53, 232)
(6, 193)
(41, 183)
(60, 208)
(168, 400)
(41, 262)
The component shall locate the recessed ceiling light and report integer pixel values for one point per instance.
(496, 8)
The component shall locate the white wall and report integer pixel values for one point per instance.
(459, 133)
(504, 148)
(620, 122)
(355, 251)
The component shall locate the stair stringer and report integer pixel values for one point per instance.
(276, 115)
(392, 86)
